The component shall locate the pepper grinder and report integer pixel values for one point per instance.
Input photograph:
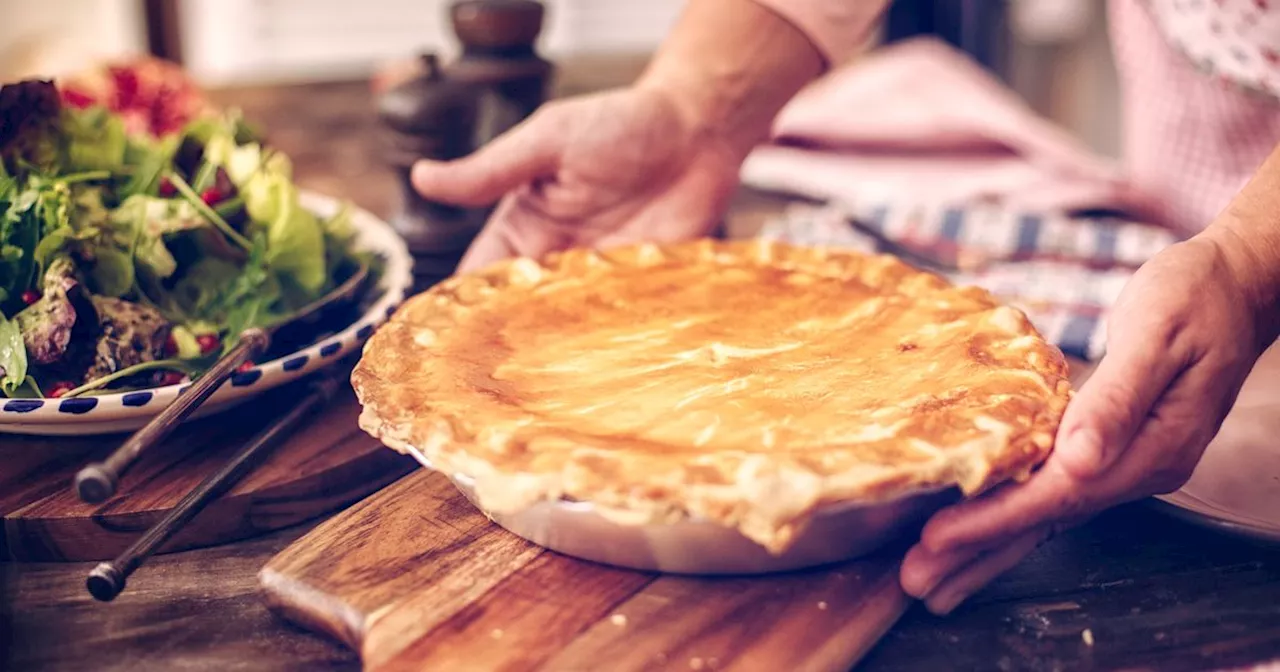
(499, 57)
(430, 116)
(447, 112)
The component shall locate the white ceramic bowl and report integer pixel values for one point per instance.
(129, 411)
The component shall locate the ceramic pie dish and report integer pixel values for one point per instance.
(708, 400)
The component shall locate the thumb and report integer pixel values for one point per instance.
(526, 152)
(1111, 406)
(494, 242)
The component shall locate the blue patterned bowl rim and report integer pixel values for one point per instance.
(373, 234)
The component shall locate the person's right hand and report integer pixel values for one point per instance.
(600, 170)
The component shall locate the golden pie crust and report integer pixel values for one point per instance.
(746, 383)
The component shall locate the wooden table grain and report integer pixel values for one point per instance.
(1153, 592)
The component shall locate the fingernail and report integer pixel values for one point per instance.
(917, 586)
(945, 604)
(422, 166)
(920, 575)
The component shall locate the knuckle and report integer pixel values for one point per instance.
(550, 112)
(1164, 328)
(1157, 320)
(1121, 400)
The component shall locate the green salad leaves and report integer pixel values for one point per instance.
(13, 357)
(126, 260)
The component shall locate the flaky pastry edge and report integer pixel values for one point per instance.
(772, 504)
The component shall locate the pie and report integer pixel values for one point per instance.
(745, 383)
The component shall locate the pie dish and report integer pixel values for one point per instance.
(744, 383)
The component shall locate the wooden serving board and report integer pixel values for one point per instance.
(416, 578)
(327, 465)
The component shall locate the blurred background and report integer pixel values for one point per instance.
(1053, 52)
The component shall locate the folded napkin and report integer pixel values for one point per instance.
(1063, 272)
(916, 145)
(920, 121)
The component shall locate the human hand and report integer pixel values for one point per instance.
(597, 170)
(655, 161)
(1182, 338)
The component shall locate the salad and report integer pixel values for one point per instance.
(132, 259)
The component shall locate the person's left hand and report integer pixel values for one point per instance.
(1181, 339)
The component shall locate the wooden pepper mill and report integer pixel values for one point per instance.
(498, 55)
(446, 113)
(434, 118)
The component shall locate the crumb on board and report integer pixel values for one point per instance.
(822, 606)
(618, 619)
(1087, 636)
(496, 634)
(695, 663)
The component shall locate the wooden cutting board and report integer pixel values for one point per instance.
(415, 578)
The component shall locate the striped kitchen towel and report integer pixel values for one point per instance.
(1063, 272)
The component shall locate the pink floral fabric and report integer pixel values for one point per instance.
(1235, 40)
(1200, 87)
(1194, 130)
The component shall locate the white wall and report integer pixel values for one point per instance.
(230, 41)
(52, 37)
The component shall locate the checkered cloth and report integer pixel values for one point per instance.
(1063, 272)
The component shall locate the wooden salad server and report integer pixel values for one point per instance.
(98, 481)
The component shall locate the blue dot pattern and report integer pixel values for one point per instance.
(136, 398)
(22, 405)
(245, 378)
(78, 406)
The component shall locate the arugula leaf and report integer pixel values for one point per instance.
(191, 367)
(8, 186)
(95, 139)
(20, 231)
(29, 389)
(200, 292)
(295, 245)
(295, 238)
(148, 159)
(231, 124)
(144, 221)
(86, 220)
(207, 212)
(112, 272)
(52, 246)
(340, 252)
(234, 297)
(13, 357)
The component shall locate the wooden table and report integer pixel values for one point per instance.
(1154, 593)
